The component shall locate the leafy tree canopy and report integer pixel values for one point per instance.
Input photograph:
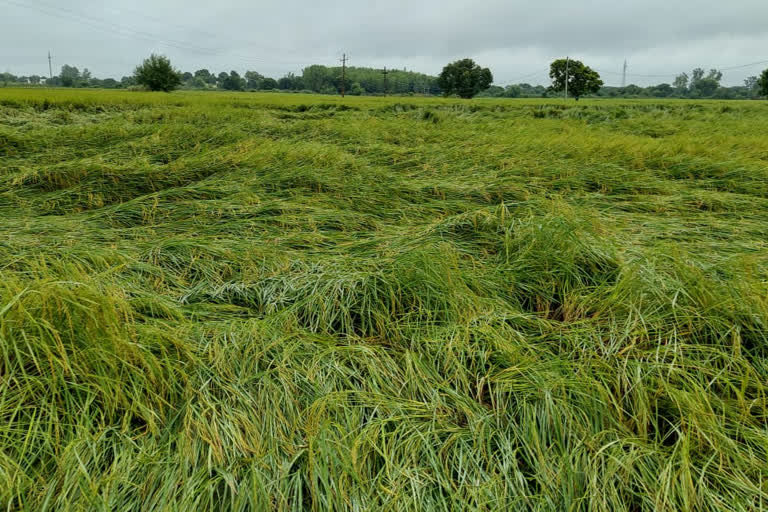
(705, 85)
(762, 83)
(681, 82)
(157, 74)
(70, 75)
(232, 81)
(464, 78)
(581, 79)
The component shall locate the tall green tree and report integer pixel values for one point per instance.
(681, 83)
(317, 77)
(232, 81)
(513, 91)
(70, 76)
(157, 74)
(661, 90)
(762, 83)
(268, 84)
(581, 79)
(85, 78)
(751, 83)
(290, 82)
(464, 78)
(205, 76)
(7, 78)
(705, 85)
(253, 79)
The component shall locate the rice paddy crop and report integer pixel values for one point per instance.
(283, 302)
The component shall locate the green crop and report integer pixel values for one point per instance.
(286, 302)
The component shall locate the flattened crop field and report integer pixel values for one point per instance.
(285, 302)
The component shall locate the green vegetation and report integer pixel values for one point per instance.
(762, 83)
(464, 78)
(291, 302)
(313, 79)
(70, 76)
(370, 81)
(574, 78)
(157, 74)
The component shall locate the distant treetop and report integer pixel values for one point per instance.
(762, 83)
(157, 74)
(580, 79)
(464, 78)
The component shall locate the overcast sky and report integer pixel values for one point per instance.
(515, 38)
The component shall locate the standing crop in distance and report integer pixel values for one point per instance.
(465, 78)
(581, 79)
(762, 83)
(157, 74)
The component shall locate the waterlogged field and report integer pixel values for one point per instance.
(282, 302)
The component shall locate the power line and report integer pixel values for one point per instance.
(115, 29)
(606, 72)
(104, 26)
(523, 77)
(164, 22)
(626, 73)
(163, 39)
(745, 65)
(672, 75)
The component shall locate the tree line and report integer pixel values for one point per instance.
(696, 85)
(313, 79)
(463, 78)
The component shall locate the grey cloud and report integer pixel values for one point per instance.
(514, 37)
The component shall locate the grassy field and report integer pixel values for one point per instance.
(284, 302)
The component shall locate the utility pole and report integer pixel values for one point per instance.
(343, 74)
(624, 75)
(50, 66)
(567, 67)
(386, 83)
